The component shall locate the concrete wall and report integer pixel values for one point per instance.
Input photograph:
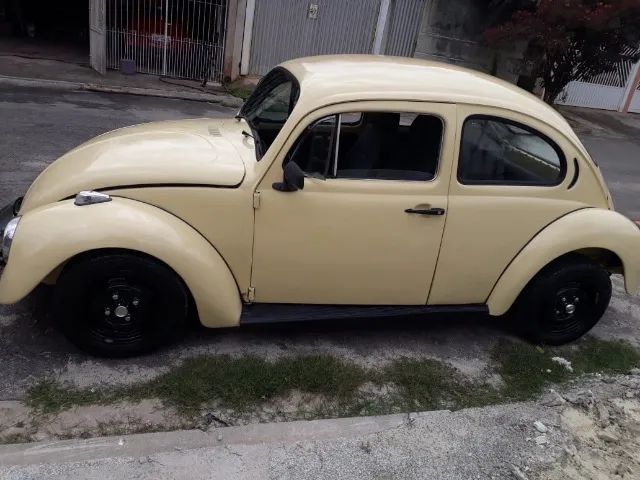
(451, 32)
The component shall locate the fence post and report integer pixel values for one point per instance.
(630, 89)
(383, 15)
(246, 41)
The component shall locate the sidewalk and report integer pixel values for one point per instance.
(25, 70)
(591, 122)
(588, 430)
(476, 443)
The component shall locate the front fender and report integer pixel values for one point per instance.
(587, 228)
(50, 235)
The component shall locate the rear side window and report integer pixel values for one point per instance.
(499, 151)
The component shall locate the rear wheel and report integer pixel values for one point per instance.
(564, 301)
(120, 304)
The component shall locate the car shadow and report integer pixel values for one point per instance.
(31, 347)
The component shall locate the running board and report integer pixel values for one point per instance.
(260, 313)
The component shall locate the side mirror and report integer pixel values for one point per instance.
(293, 178)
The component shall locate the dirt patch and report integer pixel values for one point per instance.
(605, 441)
(18, 424)
(91, 373)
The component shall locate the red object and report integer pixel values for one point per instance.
(149, 32)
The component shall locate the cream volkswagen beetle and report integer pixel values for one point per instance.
(346, 186)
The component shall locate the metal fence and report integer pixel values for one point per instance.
(285, 29)
(178, 38)
(403, 27)
(605, 90)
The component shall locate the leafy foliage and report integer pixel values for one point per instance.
(571, 39)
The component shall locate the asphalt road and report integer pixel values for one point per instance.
(613, 140)
(37, 125)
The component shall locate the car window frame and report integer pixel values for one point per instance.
(294, 97)
(552, 143)
(334, 159)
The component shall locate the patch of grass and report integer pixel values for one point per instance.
(612, 357)
(242, 384)
(429, 384)
(242, 93)
(238, 383)
(526, 369)
(48, 396)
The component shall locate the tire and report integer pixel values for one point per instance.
(120, 304)
(564, 301)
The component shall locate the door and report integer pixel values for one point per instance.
(97, 42)
(512, 179)
(367, 226)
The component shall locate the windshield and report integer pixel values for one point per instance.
(269, 107)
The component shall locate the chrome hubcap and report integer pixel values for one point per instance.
(570, 304)
(120, 312)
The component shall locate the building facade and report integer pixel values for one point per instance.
(220, 40)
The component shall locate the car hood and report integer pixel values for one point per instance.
(185, 152)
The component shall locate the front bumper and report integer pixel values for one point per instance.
(8, 213)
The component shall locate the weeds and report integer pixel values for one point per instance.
(242, 384)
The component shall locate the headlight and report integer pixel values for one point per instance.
(7, 237)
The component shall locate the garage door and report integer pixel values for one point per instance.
(605, 91)
(285, 29)
(592, 95)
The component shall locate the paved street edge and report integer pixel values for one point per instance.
(224, 100)
(149, 443)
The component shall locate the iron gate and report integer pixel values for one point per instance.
(177, 38)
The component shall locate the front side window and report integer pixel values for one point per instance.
(498, 151)
(371, 145)
(269, 107)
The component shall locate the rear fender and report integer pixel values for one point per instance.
(582, 229)
(50, 235)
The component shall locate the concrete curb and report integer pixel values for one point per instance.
(149, 443)
(224, 100)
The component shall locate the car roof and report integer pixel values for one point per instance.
(328, 79)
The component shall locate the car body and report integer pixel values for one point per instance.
(318, 201)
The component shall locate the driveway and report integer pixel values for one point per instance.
(37, 125)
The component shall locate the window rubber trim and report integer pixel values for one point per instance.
(576, 174)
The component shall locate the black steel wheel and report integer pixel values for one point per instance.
(120, 304)
(564, 301)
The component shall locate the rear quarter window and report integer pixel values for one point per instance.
(497, 151)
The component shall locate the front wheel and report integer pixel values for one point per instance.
(119, 304)
(564, 301)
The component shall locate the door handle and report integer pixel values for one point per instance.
(426, 211)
